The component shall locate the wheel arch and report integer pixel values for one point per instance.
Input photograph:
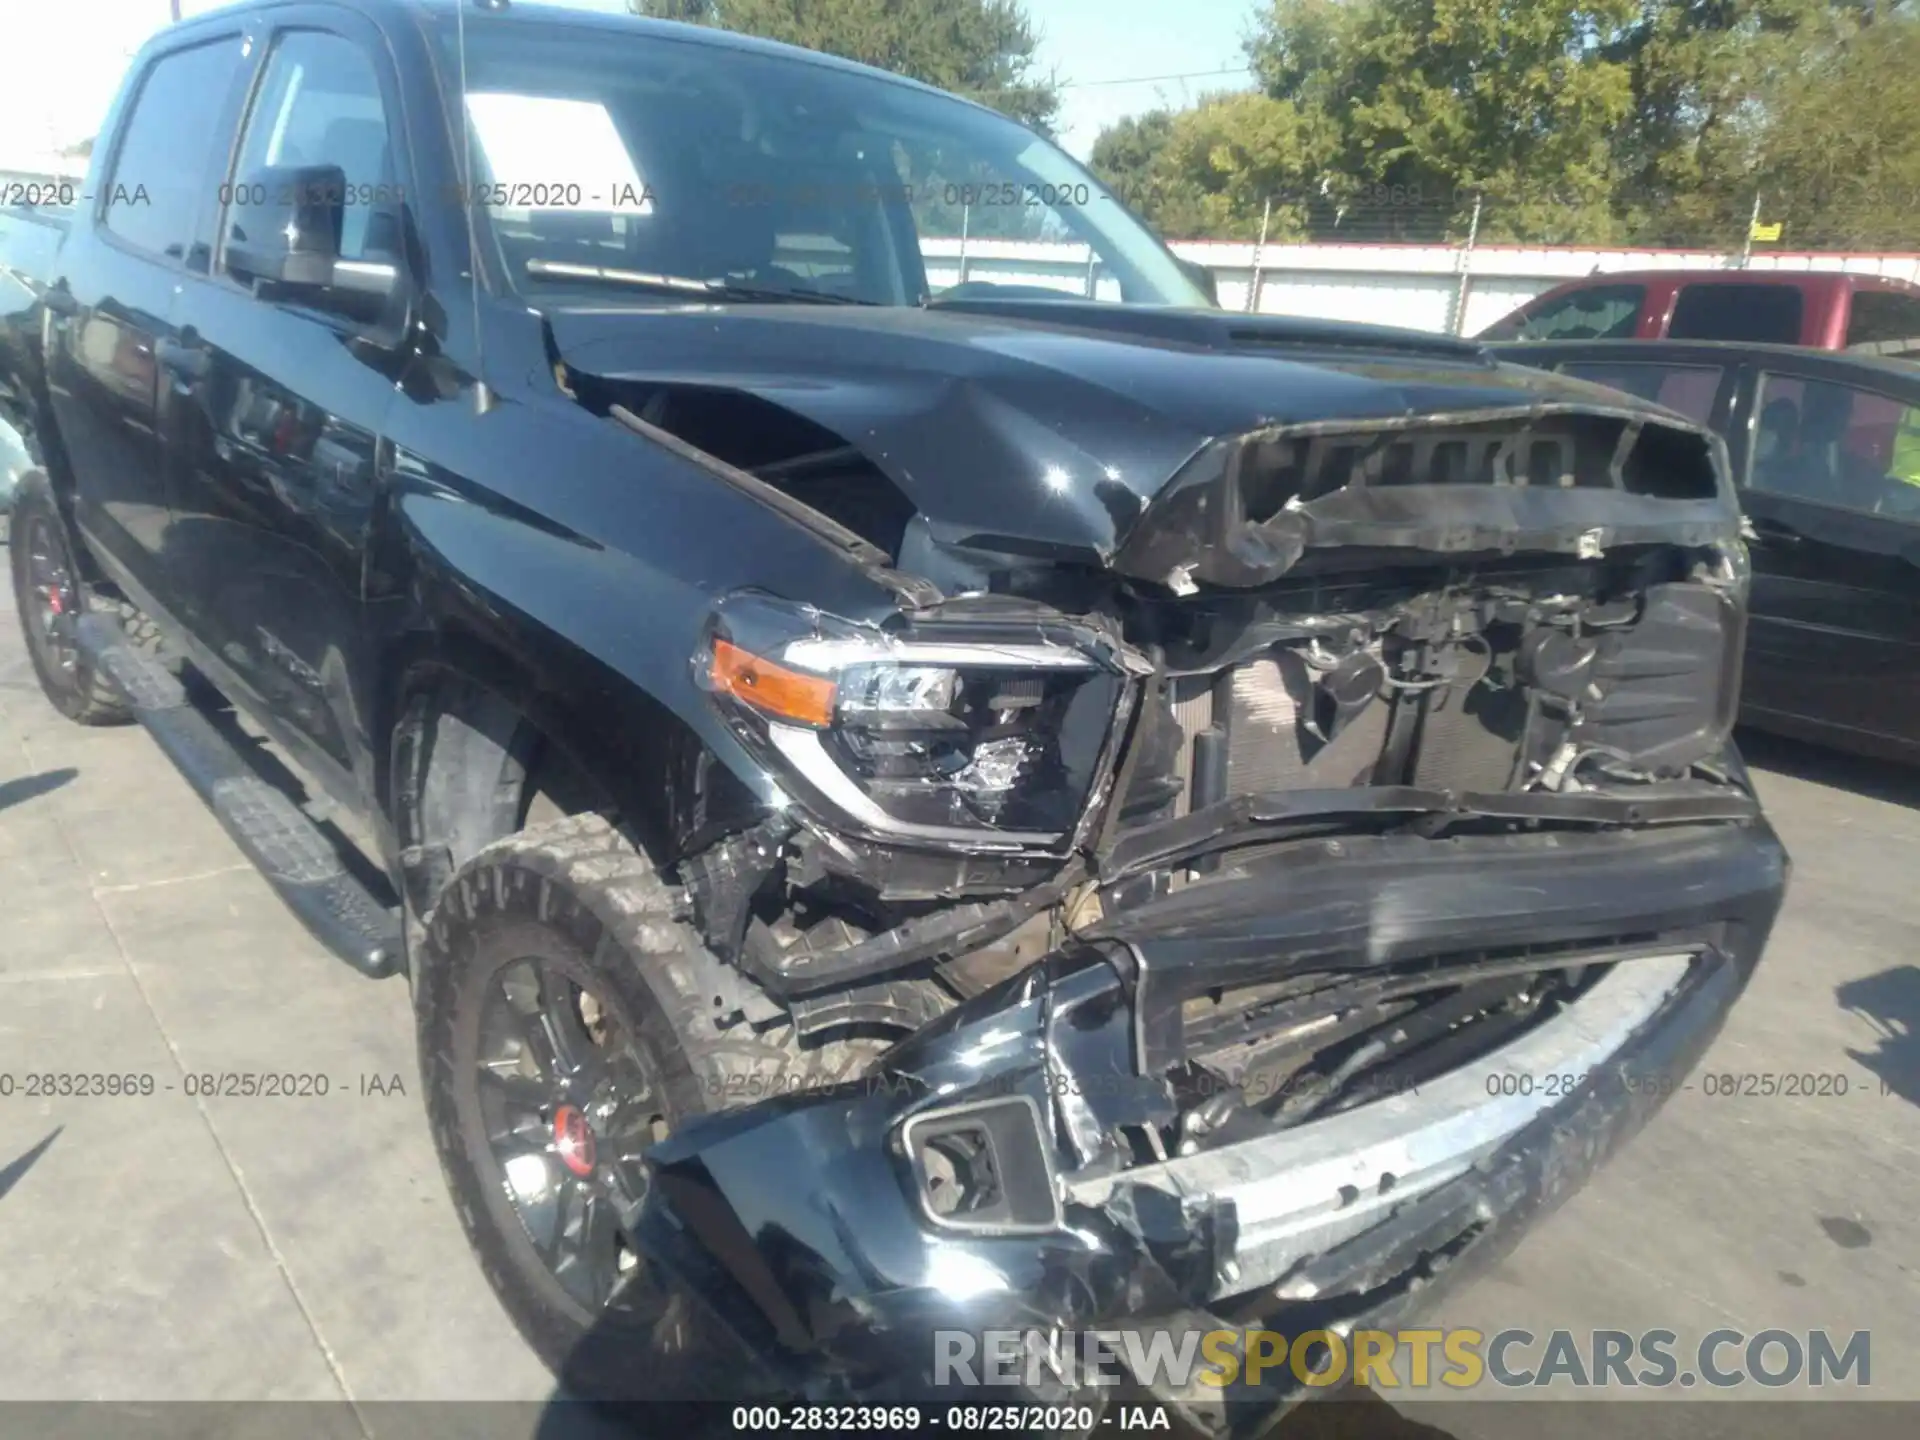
(475, 731)
(47, 458)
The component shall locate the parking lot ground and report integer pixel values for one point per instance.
(172, 1244)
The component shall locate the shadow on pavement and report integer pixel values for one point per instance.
(27, 787)
(1873, 779)
(13, 1170)
(1890, 1002)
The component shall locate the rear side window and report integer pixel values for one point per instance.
(1884, 322)
(155, 191)
(1594, 312)
(1757, 314)
(1689, 389)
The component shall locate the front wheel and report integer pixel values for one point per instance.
(566, 1025)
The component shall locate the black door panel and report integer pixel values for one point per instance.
(108, 337)
(274, 469)
(102, 381)
(274, 492)
(1834, 637)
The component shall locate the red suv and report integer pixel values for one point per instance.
(1825, 310)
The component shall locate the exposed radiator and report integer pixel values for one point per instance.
(1266, 708)
(1471, 730)
(1265, 743)
(1260, 707)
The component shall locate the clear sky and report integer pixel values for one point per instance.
(1092, 41)
(65, 58)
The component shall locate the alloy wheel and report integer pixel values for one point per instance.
(569, 1105)
(55, 599)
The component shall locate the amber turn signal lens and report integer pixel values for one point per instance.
(773, 688)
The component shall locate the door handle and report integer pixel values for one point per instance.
(183, 362)
(1775, 531)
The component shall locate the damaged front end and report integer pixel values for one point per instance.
(1270, 869)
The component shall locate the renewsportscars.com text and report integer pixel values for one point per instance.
(1458, 1359)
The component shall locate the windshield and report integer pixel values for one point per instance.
(636, 159)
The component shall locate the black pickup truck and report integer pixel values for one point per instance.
(903, 809)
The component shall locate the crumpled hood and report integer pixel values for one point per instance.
(1047, 427)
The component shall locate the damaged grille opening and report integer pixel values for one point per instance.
(1607, 676)
(1585, 675)
(1567, 452)
(1313, 497)
(1313, 1046)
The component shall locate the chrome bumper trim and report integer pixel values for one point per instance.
(1298, 1192)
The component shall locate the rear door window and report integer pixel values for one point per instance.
(1595, 312)
(1884, 322)
(1837, 445)
(153, 195)
(1756, 314)
(1689, 389)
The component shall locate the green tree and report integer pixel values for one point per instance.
(1839, 161)
(1382, 119)
(1127, 156)
(984, 49)
(1803, 102)
(1158, 163)
(1705, 75)
(1236, 152)
(1616, 121)
(1426, 103)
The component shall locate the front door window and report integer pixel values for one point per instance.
(1836, 445)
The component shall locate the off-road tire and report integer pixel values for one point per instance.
(76, 691)
(576, 891)
(138, 626)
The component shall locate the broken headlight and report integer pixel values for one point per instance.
(969, 732)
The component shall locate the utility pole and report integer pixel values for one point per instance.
(174, 6)
(1746, 250)
(1259, 253)
(1466, 270)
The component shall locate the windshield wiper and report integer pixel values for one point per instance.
(686, 284)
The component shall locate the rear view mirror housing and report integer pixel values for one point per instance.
(283, 232)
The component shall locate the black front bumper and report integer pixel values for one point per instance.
(799, 1229)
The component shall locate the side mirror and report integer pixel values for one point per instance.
(1201, 276)
(283, 234)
